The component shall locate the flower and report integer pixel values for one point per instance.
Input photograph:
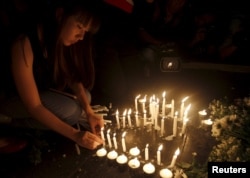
(231, 128)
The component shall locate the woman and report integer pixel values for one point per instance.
(56, 54)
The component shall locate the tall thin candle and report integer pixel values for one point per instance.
(172, 108)
(114, 140)
(159, 155)
(109, 139)
(177, 152)
(146, 153)
(136, 104)
(117, 119)
(124, 118)
(163, 103)
(129, 118)
(102, 135)
(175, 124)
(162, 126)
(123, 142)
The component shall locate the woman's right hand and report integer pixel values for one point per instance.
(88, 140)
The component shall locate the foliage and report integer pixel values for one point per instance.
(231, 128)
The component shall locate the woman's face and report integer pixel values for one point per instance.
(73, 31)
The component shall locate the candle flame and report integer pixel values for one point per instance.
(163, 94)
(108, 131)
(176, 113)
(102, 128)
(177, 152)
(124, 133)
(160, 147)
(125, 112)
(184, 99)
(147, 146)
(114, 134)
(138, 96)
(117, 112)
(187, 109)
(203, 112)
(129, 111)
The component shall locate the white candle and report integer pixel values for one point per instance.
(146, 153)
(136, 119)
(143, 102)
(102, 136)
(159, 155)
(177, 152)
(144, 117)
(134, 151)
(172, 108)
(184, 125)
(109, 139)
(162, 126)
(114, 140)
(136, 104)
(156, 112)
(163, 103)
(182, 107)
(175, 124)
(117, 119)
(129, 118)
(123, 118)
(149, 168)
(166, 173)
(123, 142)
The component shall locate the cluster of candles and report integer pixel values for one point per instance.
(148, 112)
(154, 114)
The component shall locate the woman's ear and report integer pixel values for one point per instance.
(59, 14)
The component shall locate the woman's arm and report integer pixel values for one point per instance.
(95, 121)
(22, 62)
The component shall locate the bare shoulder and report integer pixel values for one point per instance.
(21, 49)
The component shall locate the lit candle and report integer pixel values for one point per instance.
(163, 103)
(129, 118)
(102, 136)
(136, 119)
(177, 152)
(208, 122)
(162, 126)
(109, 139)
(143, 102)
(117, 119)
(166, 173)
(123, 142)
(144, 117)
(184, 125)
(182, 107)
(101, 152)
(172, 108)
(159, 155)
(123, 118)
(149, 168)
(134, 151)
(175, 124)
(146, 153)
(156, 112)
(114, 140)
(136, 104)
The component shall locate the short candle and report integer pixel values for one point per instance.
(101, 152)
(149, 168)
(134, 151)
(166, 173)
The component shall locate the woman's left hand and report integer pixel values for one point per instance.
(96, 122)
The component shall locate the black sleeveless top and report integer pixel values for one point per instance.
(42, 68)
